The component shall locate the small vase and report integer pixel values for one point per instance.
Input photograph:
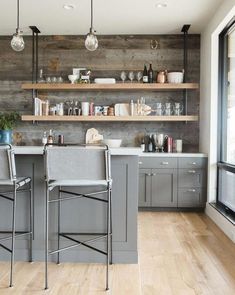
(6, 136)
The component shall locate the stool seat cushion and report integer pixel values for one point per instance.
(77, 182)
(20, 181)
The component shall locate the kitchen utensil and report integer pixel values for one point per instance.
(113, 143)
(159, 140)
(175, 77)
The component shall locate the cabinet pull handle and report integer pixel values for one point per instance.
(140, 163)
(153, 174)
(148, 174)
(191, 190)
(194, 163)
(164, 163)
(192, 171)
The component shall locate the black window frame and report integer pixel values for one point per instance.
(222, 107)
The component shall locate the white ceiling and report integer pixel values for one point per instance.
(110, 16)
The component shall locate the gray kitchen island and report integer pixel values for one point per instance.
(80, 215)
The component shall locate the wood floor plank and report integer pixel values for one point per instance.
(179, 254)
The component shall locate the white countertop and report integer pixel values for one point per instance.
(122, 151)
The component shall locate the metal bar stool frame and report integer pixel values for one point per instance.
(91, 196)
(16, 183)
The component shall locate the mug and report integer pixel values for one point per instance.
(85, 108)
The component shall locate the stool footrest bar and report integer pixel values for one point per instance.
(16, 236)
(85, 242)
(4, 247)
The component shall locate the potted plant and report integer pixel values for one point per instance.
(7, 123)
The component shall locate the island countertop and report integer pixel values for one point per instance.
(122, 151)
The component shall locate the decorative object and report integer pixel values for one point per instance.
(17, 42)
(175, 77)
(91, 41)
(154, 44)
(7, 122)
(93, 136)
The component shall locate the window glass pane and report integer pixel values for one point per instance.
(230, 145)
(227, 189)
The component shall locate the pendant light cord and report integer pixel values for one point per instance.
(92, 14)
(18, 14)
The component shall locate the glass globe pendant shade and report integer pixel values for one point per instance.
(17, 42)
(91, 41)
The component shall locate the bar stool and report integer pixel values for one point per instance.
(16, 185)
(78, 166)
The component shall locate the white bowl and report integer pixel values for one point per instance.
(113, 143)
(73, 78)
(175, 77)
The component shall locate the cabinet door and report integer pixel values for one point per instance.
(144, 187)
(164, 188)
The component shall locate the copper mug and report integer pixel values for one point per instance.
(161, 77)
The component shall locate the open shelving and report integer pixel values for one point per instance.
(109, 118)
(112, 87)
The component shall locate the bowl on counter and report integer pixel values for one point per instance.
(113, 143)
(175, 77)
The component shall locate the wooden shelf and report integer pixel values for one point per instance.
(110, 118)
(117, 86)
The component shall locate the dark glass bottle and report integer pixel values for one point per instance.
(145, 75)
(150, 74)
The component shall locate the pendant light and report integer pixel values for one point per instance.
(17, 42)
(91, 41)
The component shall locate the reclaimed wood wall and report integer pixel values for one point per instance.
(59, 54)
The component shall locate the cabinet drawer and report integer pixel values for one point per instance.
(192, 162)
(161, 162)
(191, 178)
(191, 197)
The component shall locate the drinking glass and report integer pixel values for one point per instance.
(139, 76)
(178, 109)
(131, 76)
(123, 76)
(159, 109)
(168, 109)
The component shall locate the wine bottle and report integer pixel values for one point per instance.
(145, 75)
(150, 74)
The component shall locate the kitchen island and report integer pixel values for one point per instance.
(81, 215)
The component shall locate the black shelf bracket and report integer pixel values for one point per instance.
(184, 30)
(35, 32)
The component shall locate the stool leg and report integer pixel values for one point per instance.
(108, 240)
(111, 229)
(13, 236)
(31, 223)
(58, 229)
(46, 241)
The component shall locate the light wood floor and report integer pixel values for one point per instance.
(179, 254)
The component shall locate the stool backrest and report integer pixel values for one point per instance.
(77, 162)
(7, 163)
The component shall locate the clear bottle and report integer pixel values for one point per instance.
(41, 77)
(44, 138)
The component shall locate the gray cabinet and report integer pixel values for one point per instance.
(157, 188)
(192, 180)
(145, 187)
(172, 182)
(164, 188)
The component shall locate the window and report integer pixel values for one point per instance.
(226, 158)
